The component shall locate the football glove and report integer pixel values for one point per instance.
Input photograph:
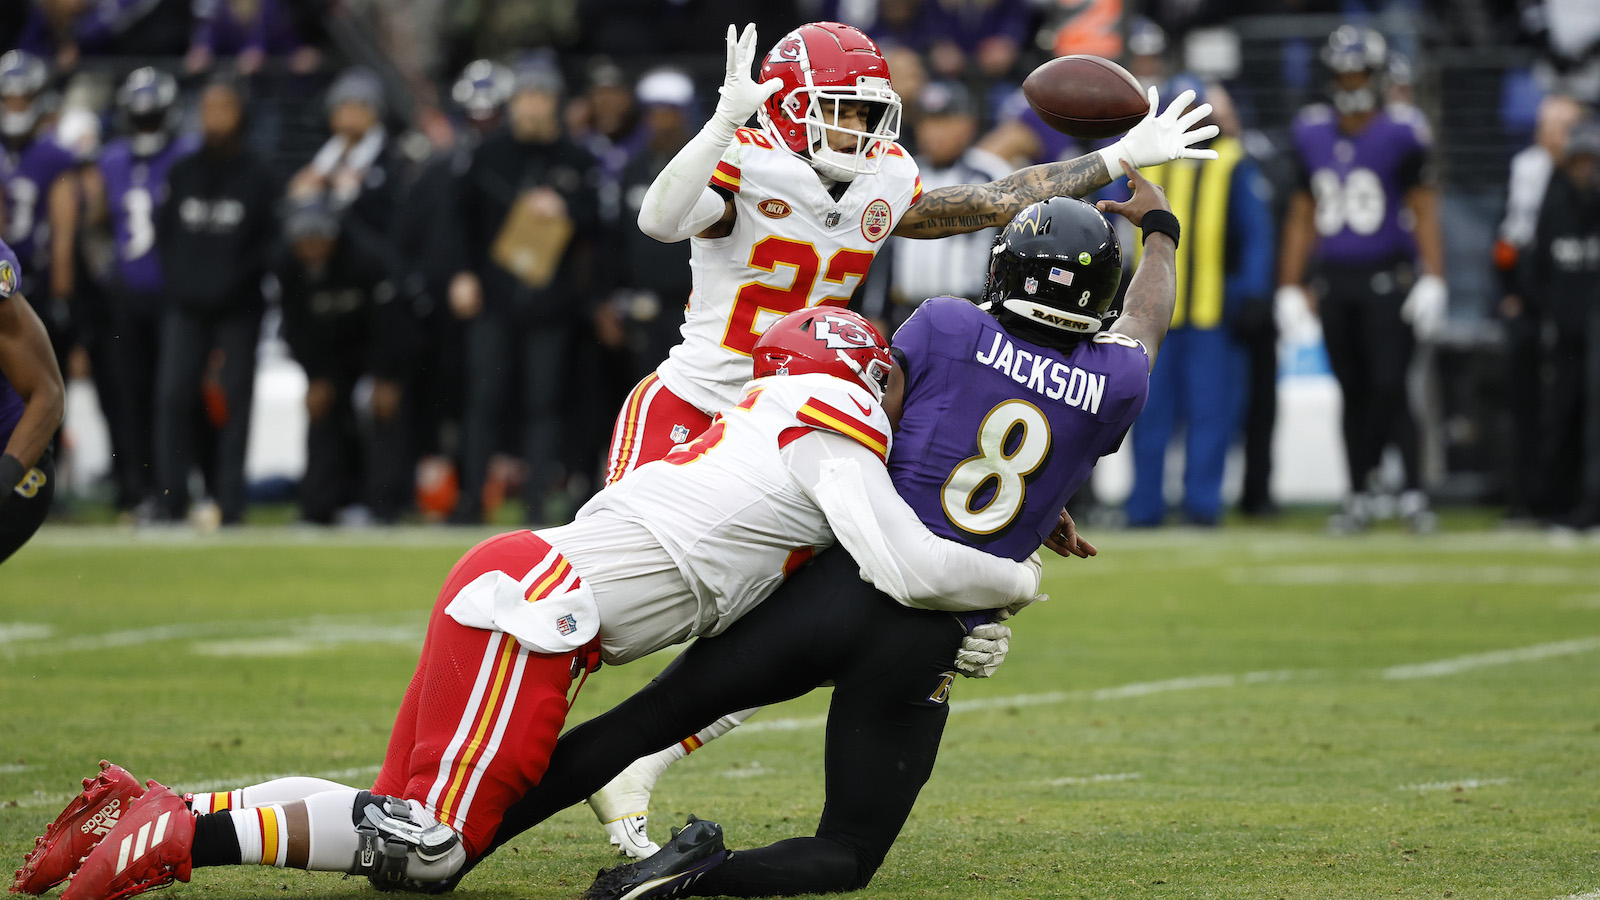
(1162, 138)
(741, 95)
(1426, 306)
(983, 650)
(1291, 310)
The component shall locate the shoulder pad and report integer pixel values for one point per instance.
(1315, 114)
(832, 404)
(1408, 116)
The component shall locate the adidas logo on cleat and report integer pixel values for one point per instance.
(103, 821)
(131, 849)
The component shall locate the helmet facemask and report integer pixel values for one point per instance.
(864, 150)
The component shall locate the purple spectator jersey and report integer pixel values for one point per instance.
(26, 176)
(135, 189)
(999, 433)
(10, 401)
(1359, 182)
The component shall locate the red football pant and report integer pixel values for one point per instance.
(652, 422)
(482, 713)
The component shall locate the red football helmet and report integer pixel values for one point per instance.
(823, 339)
(821, 65)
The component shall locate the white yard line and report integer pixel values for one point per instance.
(12, 632)
(360, 773)
(1463, 784)
(1457, 664)
(1592, 895)
(102, 537)
(1433, 669)
(1090, 779)
(235, 638)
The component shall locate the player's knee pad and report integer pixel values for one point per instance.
(403, 848)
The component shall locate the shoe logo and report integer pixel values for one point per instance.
(865, 409)
(132, 848)
(101, 823)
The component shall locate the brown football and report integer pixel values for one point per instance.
(1086, 96)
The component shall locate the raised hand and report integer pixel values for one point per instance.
(741, 95)
(1164, 137)
(1146, 196)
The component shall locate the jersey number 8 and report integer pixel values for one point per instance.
(997, 469)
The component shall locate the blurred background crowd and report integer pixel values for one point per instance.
(378, 258)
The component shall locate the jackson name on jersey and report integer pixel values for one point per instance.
(792, 246)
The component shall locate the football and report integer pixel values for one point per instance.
(1085, 96)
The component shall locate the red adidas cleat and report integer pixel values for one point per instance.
(66, 841)
(148, 849)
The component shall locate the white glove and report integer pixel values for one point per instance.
(983, 650)
(1291, 310)
(741, 96)
(1425, 307)
(1163, 138)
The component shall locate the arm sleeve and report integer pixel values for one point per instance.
(897, 553)
(680, 203)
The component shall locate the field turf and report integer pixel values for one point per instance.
(1242, 714)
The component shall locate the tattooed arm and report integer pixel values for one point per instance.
(969, 207)
(1153, 292)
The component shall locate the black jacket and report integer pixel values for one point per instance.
(327, 315)
(501, 170)
(216, 231)
(1560, 272)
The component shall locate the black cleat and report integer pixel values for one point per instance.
(690, 854)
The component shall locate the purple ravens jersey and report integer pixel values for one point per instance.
(1359, 182)
(135, 188)
(10, 401)
(998, 433)
(26, 177)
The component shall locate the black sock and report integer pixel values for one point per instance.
(215, 841)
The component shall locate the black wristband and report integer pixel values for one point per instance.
(1161, 222)
(12, 471)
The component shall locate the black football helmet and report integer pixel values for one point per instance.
(1054, 272)
(1356, 48)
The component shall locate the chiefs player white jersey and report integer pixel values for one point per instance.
(728, 506)
(793, 246)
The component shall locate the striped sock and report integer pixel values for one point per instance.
(262, 834)
(216, 801)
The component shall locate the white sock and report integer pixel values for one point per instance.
(321, 827)
(278, 790)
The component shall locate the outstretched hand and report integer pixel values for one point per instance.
(1163, 137)
(741, 95)
(1146, 197)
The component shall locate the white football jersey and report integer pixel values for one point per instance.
(793, 246)
(726, 505)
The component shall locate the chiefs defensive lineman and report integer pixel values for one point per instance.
(789, 215)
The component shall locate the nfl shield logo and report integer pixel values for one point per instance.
(680, 433)
(1031, 285)
(566, 624)
(832, 218)
(8, 278)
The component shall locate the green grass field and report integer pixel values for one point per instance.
(1248, 713)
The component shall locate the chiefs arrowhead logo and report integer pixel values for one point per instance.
(773, 208)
